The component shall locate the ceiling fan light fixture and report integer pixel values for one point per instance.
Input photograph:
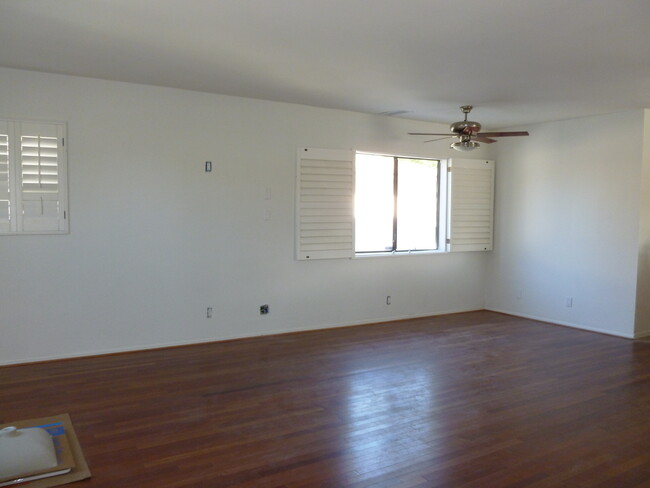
(464, 145)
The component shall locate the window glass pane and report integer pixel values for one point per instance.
(374, 203)
(417, 205)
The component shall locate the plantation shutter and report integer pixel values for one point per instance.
(42, 198)
(324, 204)
(6, 211)
(471, 205)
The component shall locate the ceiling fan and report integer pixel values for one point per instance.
(468, 133)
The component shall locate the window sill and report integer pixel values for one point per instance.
(397, 254)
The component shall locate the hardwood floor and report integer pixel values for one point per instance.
(476, 399)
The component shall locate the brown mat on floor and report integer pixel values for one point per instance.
(80, 470)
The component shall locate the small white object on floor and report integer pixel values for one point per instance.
(24, 451)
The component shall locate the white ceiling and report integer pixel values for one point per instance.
(516, 61)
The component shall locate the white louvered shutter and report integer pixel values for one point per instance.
(7, 219)
(325, 204)
(471, 205)
(42, 198)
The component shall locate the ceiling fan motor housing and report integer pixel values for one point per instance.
(465, 127)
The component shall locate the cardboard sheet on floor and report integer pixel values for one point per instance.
(80, 470)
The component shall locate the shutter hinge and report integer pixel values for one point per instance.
(448, 241)
(448, 169)
(64, 215)
(63, 141)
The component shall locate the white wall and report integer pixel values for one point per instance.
(567, 213)
(155, 240)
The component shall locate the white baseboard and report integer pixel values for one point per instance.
(162, 345)
(642, 334)
(564, 324)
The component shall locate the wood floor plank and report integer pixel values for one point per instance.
(469, 400)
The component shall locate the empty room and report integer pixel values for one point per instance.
(325, 243)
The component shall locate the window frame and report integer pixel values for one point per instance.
(441, 221)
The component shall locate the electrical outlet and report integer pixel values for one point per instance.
(208, 314)
(387, 299)
(569, 302)
(264, 309)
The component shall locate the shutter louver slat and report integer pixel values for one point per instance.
(325, 204)
(471, 205)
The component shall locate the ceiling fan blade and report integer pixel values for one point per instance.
(430, 134)
(486, 140)
(439, 139)
(502, 134)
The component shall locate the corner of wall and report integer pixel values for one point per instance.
(642, 315)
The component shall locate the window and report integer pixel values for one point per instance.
(352, 204)
(396, 203)
(33, 197)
